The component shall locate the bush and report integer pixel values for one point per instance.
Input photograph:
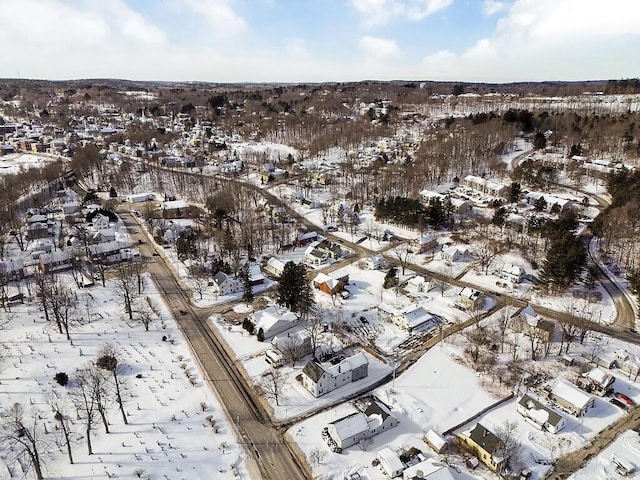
(61, 378)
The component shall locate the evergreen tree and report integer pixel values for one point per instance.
(294, 289)
(436, 215)
(540, 204)
(391, 278)
(247, 296)
(539, 141)
(499, 217)
(514, 192)
(565, 260)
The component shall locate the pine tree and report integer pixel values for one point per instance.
(247, 296)
(565, 260)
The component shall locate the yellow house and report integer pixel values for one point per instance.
(485, 445)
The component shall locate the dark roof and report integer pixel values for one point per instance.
(313, 370)
(377, 408)
(220, 278)
(528, 402)
(485, 439)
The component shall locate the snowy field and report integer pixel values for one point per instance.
(176, 426)
(626, 448)
(16, 163)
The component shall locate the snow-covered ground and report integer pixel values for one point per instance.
(177, 427)
(16, 163)
(625, 450)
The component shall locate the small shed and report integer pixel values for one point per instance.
(390, 462)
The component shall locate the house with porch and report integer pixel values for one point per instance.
(540, 415)
(375, 419)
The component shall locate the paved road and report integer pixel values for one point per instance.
(262, 440)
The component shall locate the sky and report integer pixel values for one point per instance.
(320, 40)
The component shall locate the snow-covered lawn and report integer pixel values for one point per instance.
(16, 163)
(168, 434)
(625, 448)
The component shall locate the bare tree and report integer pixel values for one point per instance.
(110, 359)
(504, 320)
(314, 326)
(402, 253)
(272, 384)
(144, 314)
(485, 253)
(60, 415)
(22, 434)
(291, 349)
(125, 287)
(508, 435)
(83, 396)
(317, 456)
(63, 304)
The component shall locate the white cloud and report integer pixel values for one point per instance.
(547, 40)
(376, 48)
(491, 7)
(219, 14)
(296, 47)
(380, 12)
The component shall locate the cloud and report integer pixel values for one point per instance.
(491, 7)
(377, 48)
(549, 40)
(380, 12)
(219, 14)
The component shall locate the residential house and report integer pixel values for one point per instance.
(286, 348)
(485, 445)
(550, 201)
(423, 243)
(528, 321)
(571, 398)
(435, 441)
(353, 428)
(307, 238)
(272, 321)
(256, 277)
(327, 284)
(320, 252)
(12, 269)
(108, 252)
(431, 469)
(414, 317)
(628, 363)
(487, 187)
(374, 262)
(390, 462)
(419, 284)
(540, 415)
(140, 197)
(511, 273)
(596, 381)
(224, 284)
(320, 380)
(275, 267)
(458, 205)
(56, 261)
(453, 253)
(469, 300)
(70, 208)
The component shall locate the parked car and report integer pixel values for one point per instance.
(623, 398)
(618, 403)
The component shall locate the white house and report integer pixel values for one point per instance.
(224, 284)
(374, 262)
(349, 430)
(431, 469)
(469, 299)
(320, 380)
(390, 462)
(571, 398)
(488, 187)
(140, 197)
(540, 415)
(275, 267)
(413, 317)
(419, 284)
(272, 321)
(453, 253)
(511, 273)
(289, 346)
(550, 200)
